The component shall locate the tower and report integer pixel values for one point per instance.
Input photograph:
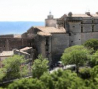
(50, 21)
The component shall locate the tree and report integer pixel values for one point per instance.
(2, 73)
(67, 80)
(40, 66)
(92, 43)
(75, 55)
(94, 59)
(47, 80)
(13, 66)
(94, 73)
(84, 73)
(27, 84)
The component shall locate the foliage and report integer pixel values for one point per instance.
(27, 84)
(61, 79)
(94, 72)
(47, 80)
(75, 55)
(40, 66)
(85, 73)
(92, 43)
(1, 88)
(2, 73)
(67, 80)
(94, 59)
(13, 66)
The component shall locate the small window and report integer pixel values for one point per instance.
(69, 34)
(73, 26)
(92, 28)
(81, 28)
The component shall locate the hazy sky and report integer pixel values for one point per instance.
(37, 10)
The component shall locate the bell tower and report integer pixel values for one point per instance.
(50, 21)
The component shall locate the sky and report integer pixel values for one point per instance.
(37, 10)
(17, 27)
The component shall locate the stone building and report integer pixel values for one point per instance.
(5, 54)
(57, 34)
(10, 42)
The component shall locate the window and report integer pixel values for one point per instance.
(81, 28)
(47, 44)
(92, 28)
(73, 26)
(69, 34)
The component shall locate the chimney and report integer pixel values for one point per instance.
(97, 13)
(70, 14)
(88, 13)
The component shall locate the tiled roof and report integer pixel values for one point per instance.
(26, 48)
(22, 51)
(17, 36)
(80, 15)
(46, 31)
(95, 15)
(7, 53)
(84, 15)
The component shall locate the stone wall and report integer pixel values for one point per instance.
(74, 27)
(87, 27)
(7, 36)
(58, 43)
(7, 44)
(50, 22)
(87, 36)
(96, 27)
(75, 39)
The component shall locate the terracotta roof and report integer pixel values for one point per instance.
(51, 30)
(7, 53)
(80, 15)
(46, 31)
(95, 15)
(17, 36)
(22, 51)
(26, 48)
(84, 15)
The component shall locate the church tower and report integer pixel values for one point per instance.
(50, 21)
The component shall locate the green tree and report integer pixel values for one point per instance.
(84, 73)
(92, 43)
(94, 59)
(27, 84)
(13, 66)
(94, 73)
(67, 80)
(47, 80)
(2, 73)
(40, 66)
(75, 55)
(94, 77)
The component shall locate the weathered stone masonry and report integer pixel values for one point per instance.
(56, 35)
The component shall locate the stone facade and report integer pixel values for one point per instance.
(58, 34)
(7, 44)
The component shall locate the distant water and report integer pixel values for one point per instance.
(18, 27)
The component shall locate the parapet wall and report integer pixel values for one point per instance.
(7, 44)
